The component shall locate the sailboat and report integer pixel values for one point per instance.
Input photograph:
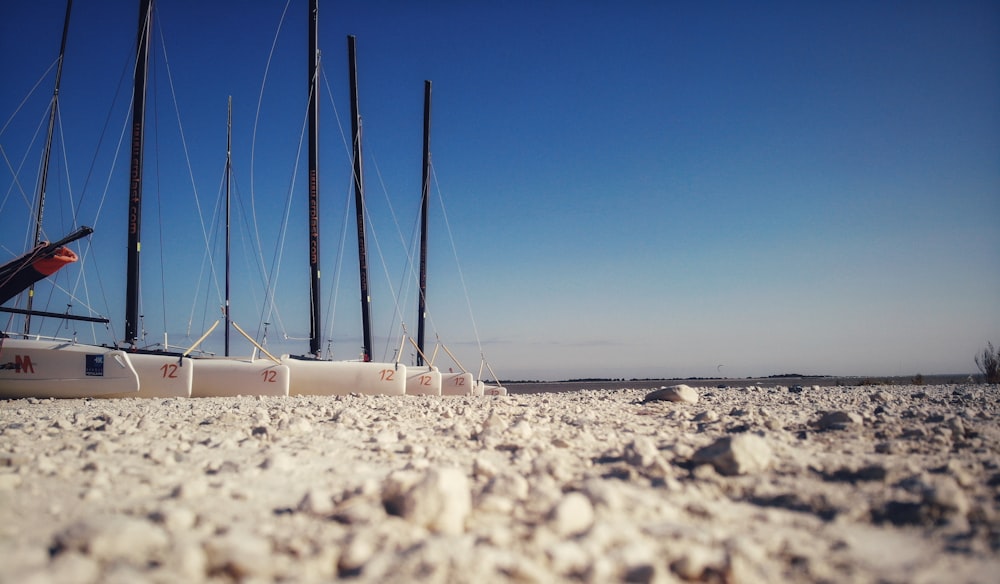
(228, 376)
(425, 378)
(32, 366)
(309, 374)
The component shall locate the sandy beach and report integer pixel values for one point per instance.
(814, 484)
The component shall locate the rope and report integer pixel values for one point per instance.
(454, 249)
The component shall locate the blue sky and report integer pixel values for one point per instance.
(635, 189)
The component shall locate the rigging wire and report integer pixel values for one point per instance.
(28, 201)
(269, 275)
(395, 294)
(17, 184)
(332, 301)
(187, 160)
(283, 233)
(27, 97)
(454, 249)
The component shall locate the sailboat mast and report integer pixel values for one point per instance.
(359, 202)
(315, 320)
(44, 178)
(229, 171)
(135, 177)
(424, 196)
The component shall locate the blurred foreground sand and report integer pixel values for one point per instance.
(860, 484)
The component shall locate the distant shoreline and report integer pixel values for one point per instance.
(771, 381)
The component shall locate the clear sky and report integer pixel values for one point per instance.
(635, 189)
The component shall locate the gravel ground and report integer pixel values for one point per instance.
(832, 484)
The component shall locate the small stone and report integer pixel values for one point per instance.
(493, 428)
(837, 420)
(240, 555)
(359, 510)
(737, 454)
(9, 481)
(675, 393)
(316, 502)
(113, 538)
(484, 468)
(187, 560)
(644, 455)
(511, 485)
(568, 558)
(73, 567)
(299, 426)
(386, 437)
(440, 500)
(521, 430)
(190, 489)
(175, 518)
(707, 416)
(572, 515)
(641, 452)
(278, 462)
(356, 554)
(947, 498)
(695, 561)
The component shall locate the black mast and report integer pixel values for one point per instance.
(44, 178)
(229, 170)
(359, 203)
(315, 320)
(424, 196)
(135, 179)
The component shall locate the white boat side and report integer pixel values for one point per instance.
(161, 375)
(313, 377)
(423, 380)
(63, 369)
(457, 384)
(232, 376)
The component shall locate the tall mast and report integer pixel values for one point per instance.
(359, 202)
(424, 196)
(315, 320)
(44, 178)
(135, 178)
(229, 171)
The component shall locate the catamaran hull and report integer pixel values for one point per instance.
(229, 377)
(423, 380)
(59, 369)
(161, 376)
(457, 384)
(344, 377)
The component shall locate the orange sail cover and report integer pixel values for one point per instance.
(42, 261)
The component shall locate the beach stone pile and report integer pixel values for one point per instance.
(757, 485)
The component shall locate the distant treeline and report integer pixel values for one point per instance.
(646, 379)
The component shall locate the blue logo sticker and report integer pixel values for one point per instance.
(95, 365)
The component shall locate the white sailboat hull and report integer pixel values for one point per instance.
(60, 369)
(457, 384)
(229, 377)
(423, 380)
(307, 377)
(161, 376)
